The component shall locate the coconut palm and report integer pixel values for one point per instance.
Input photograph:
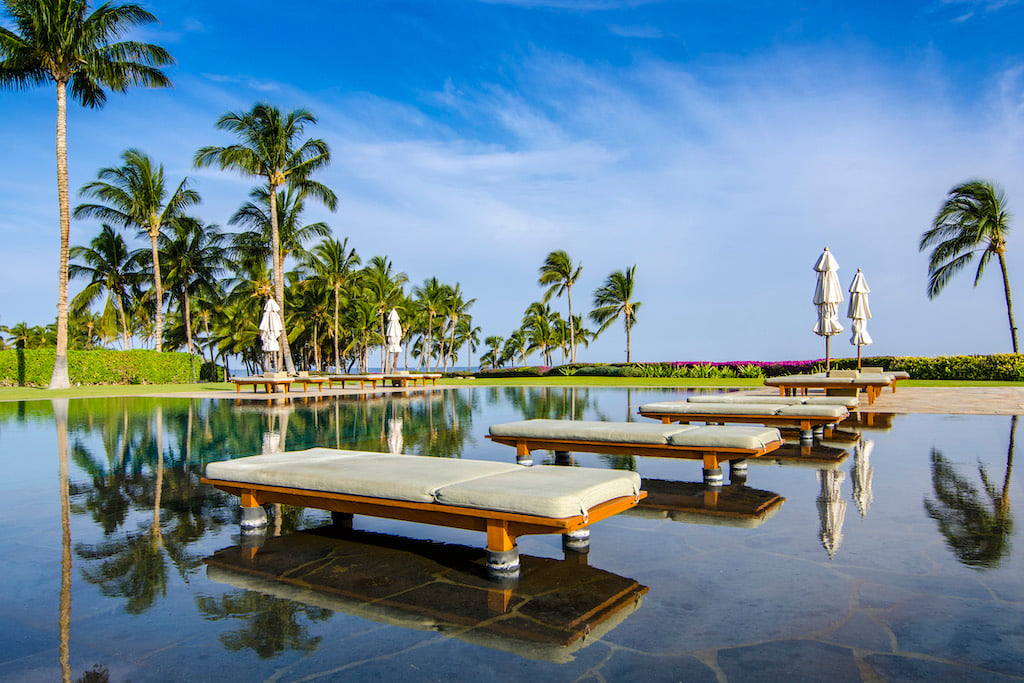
(194, 256)
(332, 263)
(561, 274)
(383, 288)
(111, 268)
(430, 297)
(537, 325)
(973, 222)
(135, 194)
(61, 41)
(455, 308)
(614, 299)
(271, 148)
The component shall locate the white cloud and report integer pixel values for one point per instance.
(645, 31)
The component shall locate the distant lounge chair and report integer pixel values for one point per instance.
(266, 382)
(712, 445)
(871, 384)
(805, 417)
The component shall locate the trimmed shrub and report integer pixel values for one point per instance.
(34, 367)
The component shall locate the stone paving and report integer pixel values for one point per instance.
(944, 400)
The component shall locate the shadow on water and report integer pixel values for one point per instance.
(975, 521)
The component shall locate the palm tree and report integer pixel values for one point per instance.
(110, 268)
(430, 298)
(974, 219)
(270, 148)
(195, 257)
(455, 308)
(612, 300)
(537, 327)
(61, 41)
(384, 290)
(332, 264)
(561, 274)
(136, 194)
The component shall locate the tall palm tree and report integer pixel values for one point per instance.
(430, 297)
(271, 148)
(332, 263)
(537, 327)
(973, 220)
(383, 286)
(614, 299)
(561, 274)
(194, 256)
(112, 269)
(455, 308)
(135, 194)
(61, 41)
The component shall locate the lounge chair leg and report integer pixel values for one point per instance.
(576, 541)
(713, 477)
(523, 456)
(342, 520)
(253, 519)
(563, 458)
(737, 471)
(502, 552)
(806, 437)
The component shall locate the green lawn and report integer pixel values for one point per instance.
(33, 393)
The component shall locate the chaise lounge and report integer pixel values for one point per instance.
(713, 445)
(805, 417)
(504, 500)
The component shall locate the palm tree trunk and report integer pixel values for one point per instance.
(627, 338)
(275, 250)
(1009, 304)
(337, 353)
(124, 322)
(188, 325)
(59, 379)
(158, 284)
(572, 328)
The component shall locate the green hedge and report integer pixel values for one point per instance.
(34, 367)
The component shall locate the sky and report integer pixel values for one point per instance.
(717, 146)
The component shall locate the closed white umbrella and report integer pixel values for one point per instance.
(828, 294)
(859, 313)
(393, 337)
(271, 328)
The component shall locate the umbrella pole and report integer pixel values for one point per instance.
(858, 357)
(828, 363)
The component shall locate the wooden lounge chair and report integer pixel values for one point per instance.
(362, 379)
(848, 402)
(804, 417)
(504, 500)
(791, 384)
(713, 445)
(267, 382)
(306, 380)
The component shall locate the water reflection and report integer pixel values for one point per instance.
(735, 505)
(976, 524)
(556, 608)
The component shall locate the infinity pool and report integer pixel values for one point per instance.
(889, 552)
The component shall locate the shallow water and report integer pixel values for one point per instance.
(900, 560)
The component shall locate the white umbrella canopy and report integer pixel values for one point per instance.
(271, 327)
(859, 313)
(828, 294)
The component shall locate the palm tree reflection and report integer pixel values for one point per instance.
(272, 625)
(976, 522)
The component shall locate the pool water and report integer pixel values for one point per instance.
(889, 553)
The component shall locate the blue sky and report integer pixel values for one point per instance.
(719, 146)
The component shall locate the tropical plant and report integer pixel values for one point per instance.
(332, 263)
(111, 268)
(194, 256)
(271, 148)
(614, 299)
(383, 288)
(135, 194)
(430, 298)
(973, 222)
(560, 274)
(63, 42)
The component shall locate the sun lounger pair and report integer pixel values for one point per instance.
(848, 402)
(712, 445)
(268, 383)
(872, 385)
(805, 417)
(504, 500)
(397, 379)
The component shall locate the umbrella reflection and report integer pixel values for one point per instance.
(831, 509)
(861, 474)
